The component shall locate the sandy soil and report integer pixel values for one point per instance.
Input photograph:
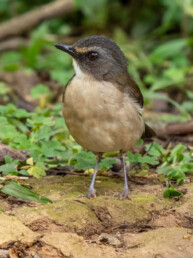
(148, 226)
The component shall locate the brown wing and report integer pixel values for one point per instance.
(135, 92)
(129, 86)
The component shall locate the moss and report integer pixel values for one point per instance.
(69, 186)
(143, 199)
(76, 213)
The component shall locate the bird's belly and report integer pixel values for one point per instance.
(100, 117)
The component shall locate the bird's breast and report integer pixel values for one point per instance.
(100, 117)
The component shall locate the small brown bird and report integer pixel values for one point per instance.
(101, 104)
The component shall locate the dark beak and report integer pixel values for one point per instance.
(66, 48)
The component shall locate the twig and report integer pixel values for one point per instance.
(14, 178)
(180, 128)
(12, 44)
(22, 23)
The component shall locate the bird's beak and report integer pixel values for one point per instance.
(66, 48)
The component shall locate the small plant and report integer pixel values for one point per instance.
(170, 191)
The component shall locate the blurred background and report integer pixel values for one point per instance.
(157, 39)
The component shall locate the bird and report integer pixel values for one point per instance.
(102, 104)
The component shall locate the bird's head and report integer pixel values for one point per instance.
(97, 56)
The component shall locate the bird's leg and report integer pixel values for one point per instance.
(92, 192)
(125, 194)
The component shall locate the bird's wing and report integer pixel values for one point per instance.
(128, 86)
(66, 88)
(131, 88)
(134, 92)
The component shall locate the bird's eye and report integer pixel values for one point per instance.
(92, 56)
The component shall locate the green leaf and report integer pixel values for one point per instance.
(10, 60)
(180, 181)
(106, 163)
(165, 170)
(174, 74)
(43, 133)
(23, 172)
(21, 142)
(85, 160)
(167, 50)
(9, 160)
(52, 148)
(61, 76)
(186, 167)
(166, 193)
(171, 193)
(189, 94)
(137, 158)
(10, 110)
(178, 149)
(8, 169)
(15, 189)
(176, 173)
(8, 132)
(140, 142)
(38, 120)
(39, 90)
(156, 149)
(38, 170)
(21, 113)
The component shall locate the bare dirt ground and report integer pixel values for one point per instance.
(148, 226)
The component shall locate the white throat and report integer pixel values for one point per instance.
(77, 69)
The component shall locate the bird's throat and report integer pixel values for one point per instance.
(78, 71)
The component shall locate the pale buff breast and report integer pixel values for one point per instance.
(100, 117)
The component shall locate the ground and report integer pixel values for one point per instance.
(73, 226)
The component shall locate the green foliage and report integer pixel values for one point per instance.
(10, 61)
(3, 89)
(39, 90)
(177, 163)
(159, 60)
(86, 160)
(106, 163)
(170, 191)
(138, 158)
(95, 12)
(37, 170)
(10, 166)
(31, 53)
(15, 189)
(44, 134)
(168, 50)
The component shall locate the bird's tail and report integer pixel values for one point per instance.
(148, 132)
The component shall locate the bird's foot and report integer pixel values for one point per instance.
(91, 194)
(125, 195)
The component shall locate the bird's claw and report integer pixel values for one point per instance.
(91, 194)
(125, 195)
